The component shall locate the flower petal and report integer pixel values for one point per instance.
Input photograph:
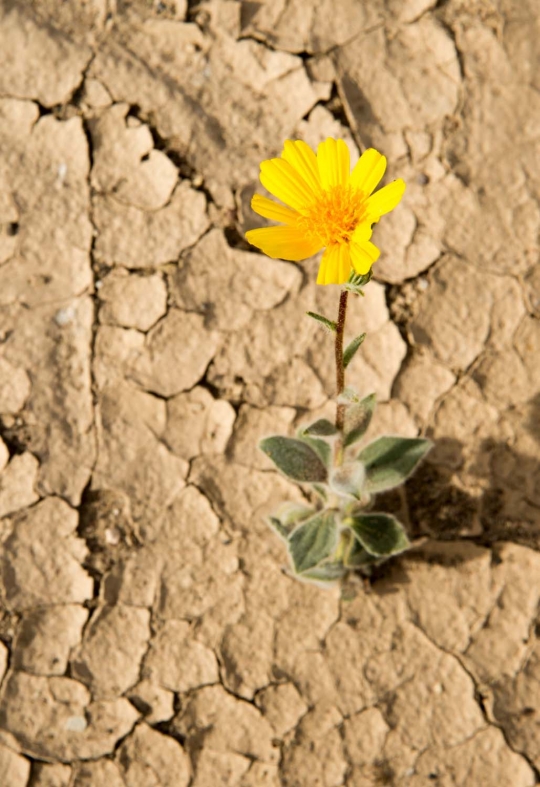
(386, 199)
(335, 265)
(334, 163)
(363, 255)
(284, 182)
(303, 159)
(368, 171)
(285, 243)
(271, 210)
(344, 263)
(323, 267)
(362, 232)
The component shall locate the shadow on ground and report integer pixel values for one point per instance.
(503, 507)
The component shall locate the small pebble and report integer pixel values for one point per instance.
(76, 724)
(112, 535)
(64, 316)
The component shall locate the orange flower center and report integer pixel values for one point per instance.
(334, 216)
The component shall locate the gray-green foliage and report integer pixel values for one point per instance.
(288, 516)
(313, 541)
(379, 534)
(348, 479)
(320, 447)
(295, 458)
(321, 428)
(350, 350)
(342, 531)
(390, 460)
(357, 419)
(330, 324)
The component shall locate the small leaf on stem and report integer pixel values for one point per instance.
(357, 419)
(348, 395)
(330, 324)
(351, 349)
(321, 428)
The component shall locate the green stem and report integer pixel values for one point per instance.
(343, 546)
(340, 370)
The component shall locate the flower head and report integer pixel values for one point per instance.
(328, 206)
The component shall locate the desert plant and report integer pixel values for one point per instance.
(334, 209)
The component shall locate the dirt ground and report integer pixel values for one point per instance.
(149, 636)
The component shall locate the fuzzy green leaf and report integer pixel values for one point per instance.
(329, 571)
(348, 395)
(390, 460)
(351, 349)
(348, 479)
(321, 428)
(294, 458)
(357, 555)
(288, 516)
(313, 541)
(357, 419)
(330, 324)
(321, 491)
(321, 448)
(379, 534)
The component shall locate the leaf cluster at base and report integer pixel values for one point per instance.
(343, 534)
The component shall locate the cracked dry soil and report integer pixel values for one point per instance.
(148, 635)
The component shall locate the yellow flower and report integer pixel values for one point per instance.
(329, 207)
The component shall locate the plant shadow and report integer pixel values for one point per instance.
(502, 502)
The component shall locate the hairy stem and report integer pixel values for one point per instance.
(340, 370)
